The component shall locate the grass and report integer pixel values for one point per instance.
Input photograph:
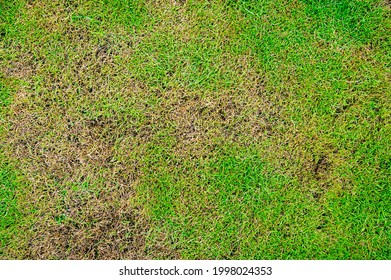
(195, 129)
(8, 204)
(8, 210)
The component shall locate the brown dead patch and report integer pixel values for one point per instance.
(22, 66)
(200, 124)
(60, 155)
(321, 167)
(179, 2)
(91, 226)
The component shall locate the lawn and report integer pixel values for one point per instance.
(201, 129)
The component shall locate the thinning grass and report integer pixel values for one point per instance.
(198, 129)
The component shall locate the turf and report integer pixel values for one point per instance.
(8, 204)
(195, 129)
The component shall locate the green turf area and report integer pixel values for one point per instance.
(8, 205)
(195, 129)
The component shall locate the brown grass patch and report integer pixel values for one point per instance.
(59, 152)
(96, 226)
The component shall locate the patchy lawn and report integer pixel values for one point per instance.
(195, 129)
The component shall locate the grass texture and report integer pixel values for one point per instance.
(195, 129)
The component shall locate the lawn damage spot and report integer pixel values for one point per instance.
(59, 149)
(321, 166)
(93, 226)
(200, 123)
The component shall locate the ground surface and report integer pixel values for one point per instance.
(195, 129)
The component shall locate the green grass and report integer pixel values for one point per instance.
(8, 208)
(8, 205)
(196, 129)
(10, 216)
